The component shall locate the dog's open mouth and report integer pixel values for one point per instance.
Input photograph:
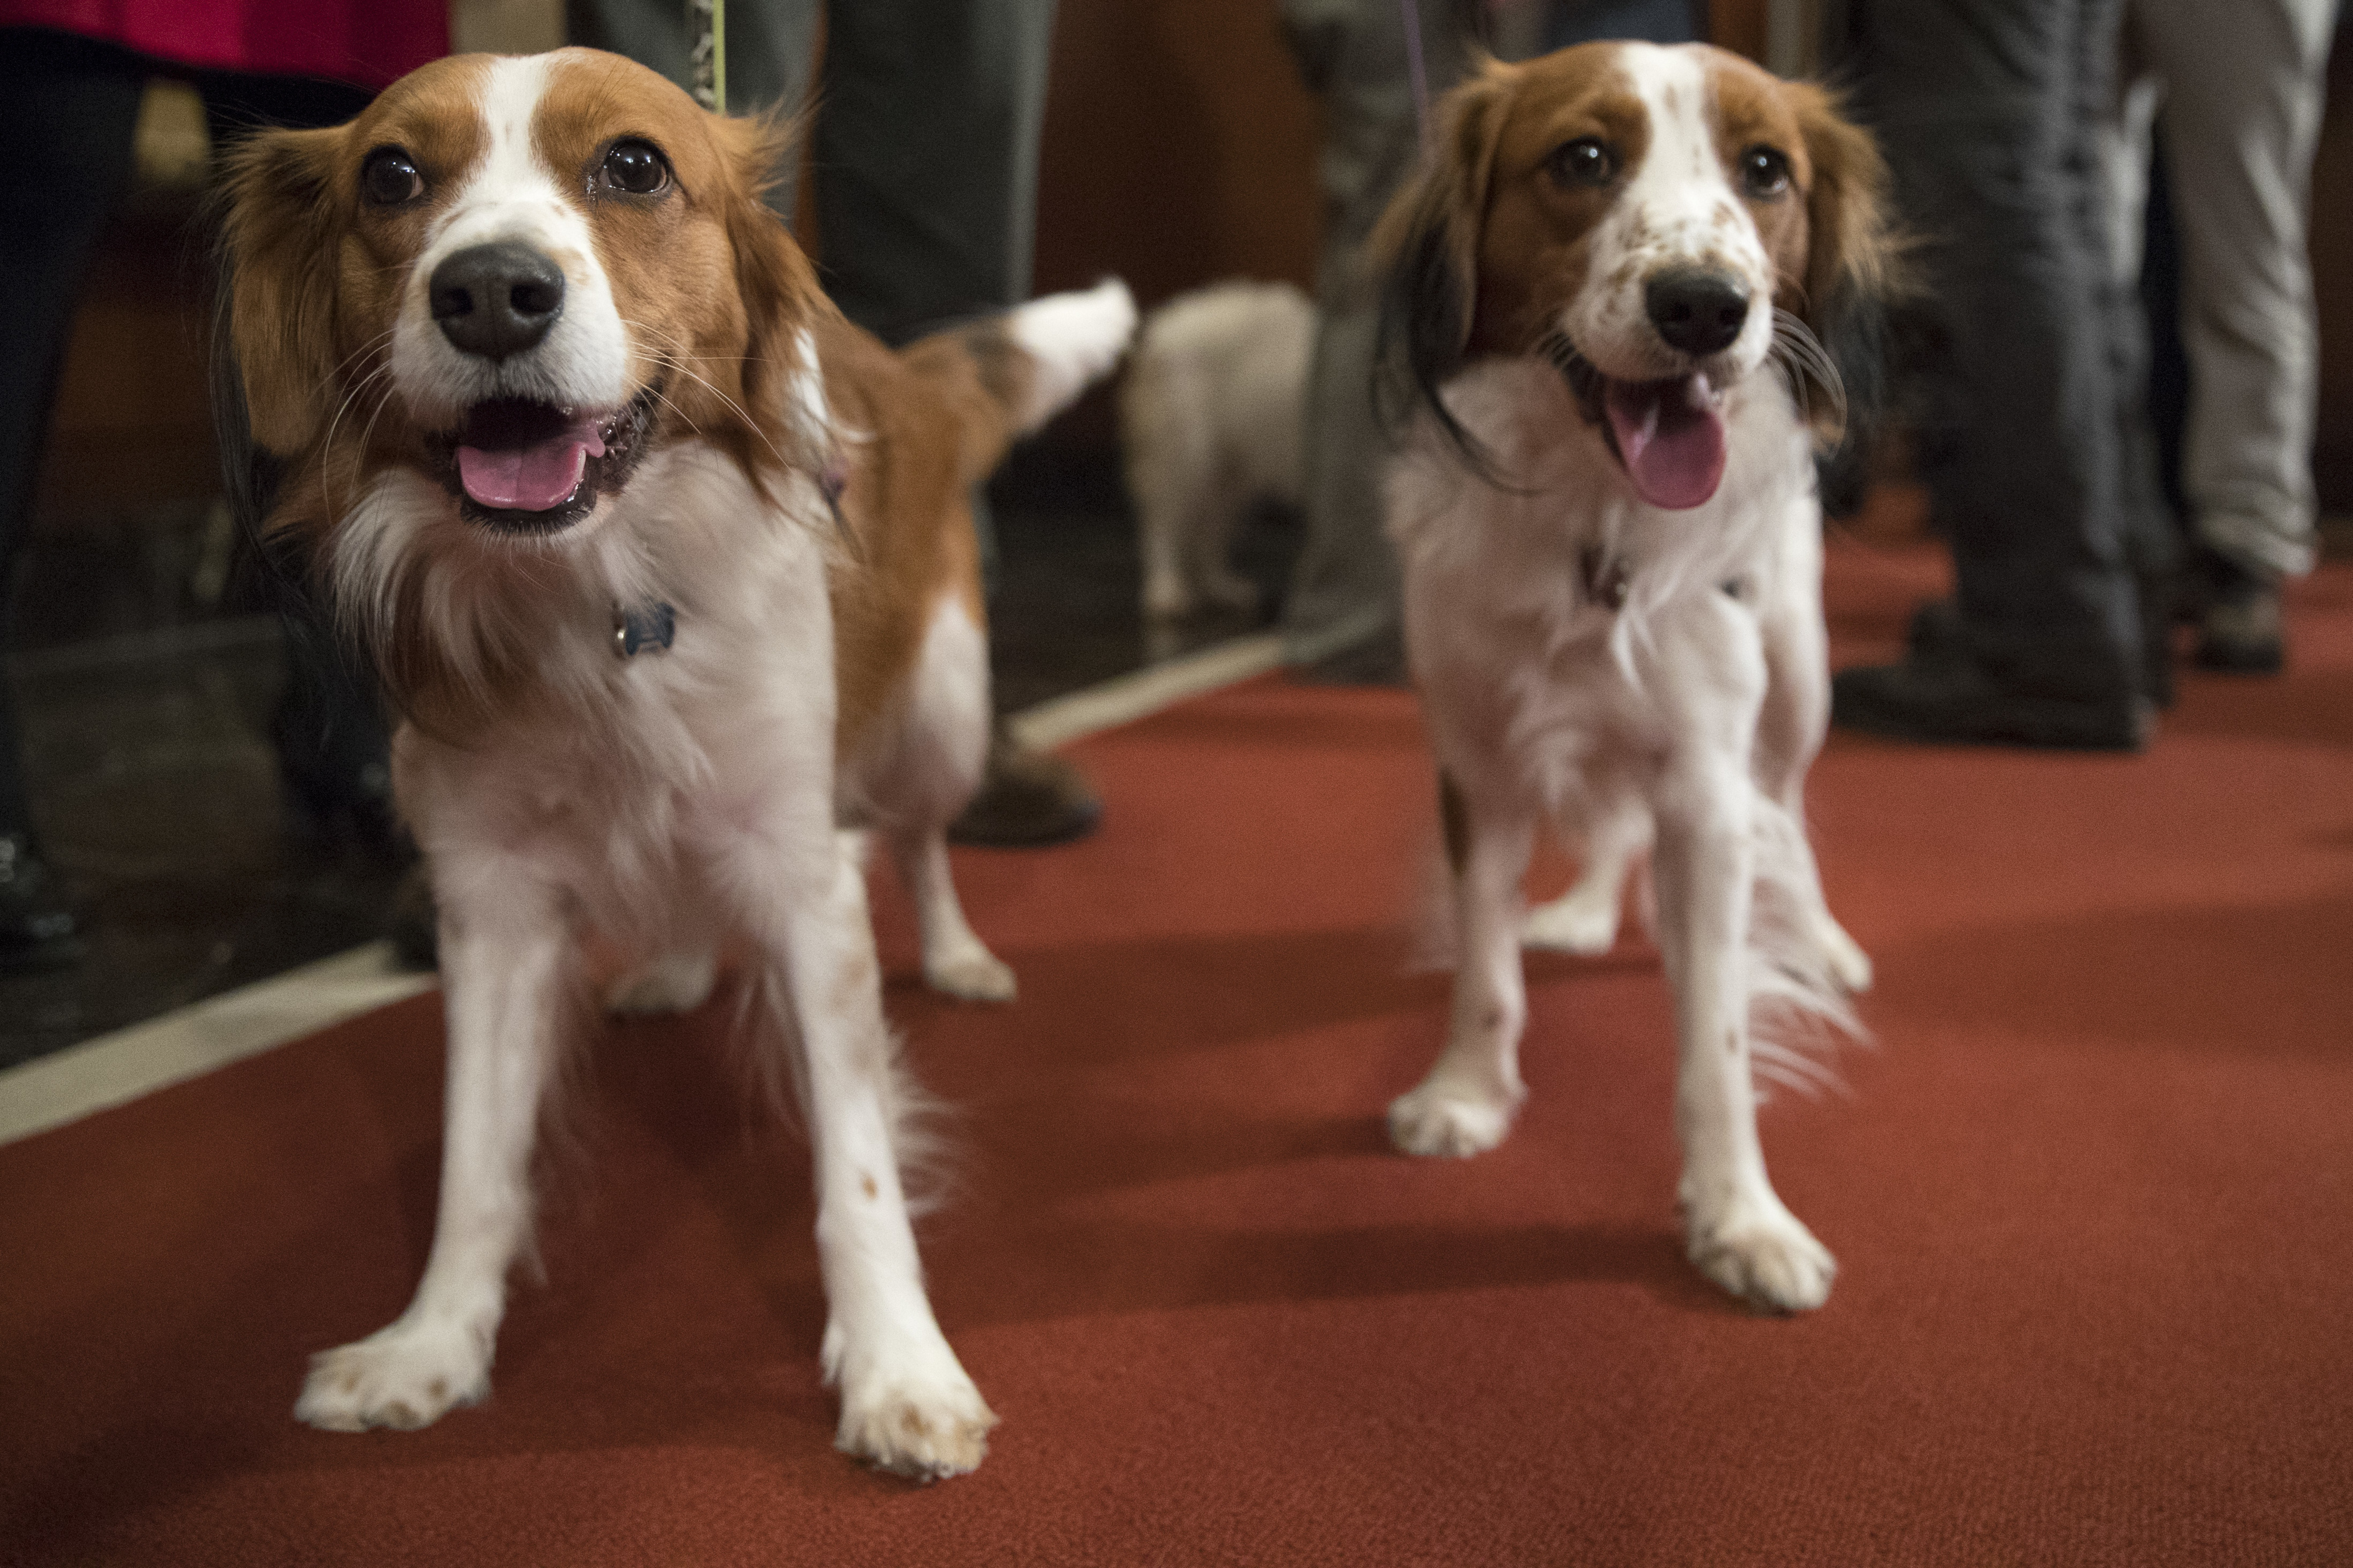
(536, 467)
(1668, 435)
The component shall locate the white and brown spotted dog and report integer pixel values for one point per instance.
(671, 572)
(1607, 284)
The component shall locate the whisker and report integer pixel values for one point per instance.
(735, 408)
(1805, 359)
(327, 447)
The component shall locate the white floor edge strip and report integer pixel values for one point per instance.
(68, 1085)
(113, 1069)
(1128, 698)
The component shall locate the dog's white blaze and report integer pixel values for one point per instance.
(1677, 209)
(511, 195)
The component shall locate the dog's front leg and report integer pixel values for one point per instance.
(956, 962)
(505, 949)
(1585, 918)
(1465, 1105)
(1795, 719)
(906, 1403)
(1737, 1231)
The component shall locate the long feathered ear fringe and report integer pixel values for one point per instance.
(1425, 251)
(1835, 344)
(277, 226)
(780, 293)
(276, 570)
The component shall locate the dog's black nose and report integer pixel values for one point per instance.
(1697, 312)
(497, 299)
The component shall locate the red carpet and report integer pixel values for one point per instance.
(2092, 1194)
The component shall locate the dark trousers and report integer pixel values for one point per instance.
(68, 109)
(925, 155)
(2044, 481)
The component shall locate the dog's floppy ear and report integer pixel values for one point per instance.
(779, 287)
(1853, 264)
(1426, 249)
(280, 238)
(1849, 251)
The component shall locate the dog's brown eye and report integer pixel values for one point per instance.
(1764, 173)
(1584, 162)
(389, 178)
(634, 167)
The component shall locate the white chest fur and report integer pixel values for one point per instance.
(1554, 616)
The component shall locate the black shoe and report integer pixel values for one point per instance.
(36, 929)
(2240, 628)
(1028, 800)
(1937, 635)
(1936, 632)
(1954, 702)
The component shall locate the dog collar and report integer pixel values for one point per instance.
(653, 626)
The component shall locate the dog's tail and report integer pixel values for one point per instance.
(1014, 371)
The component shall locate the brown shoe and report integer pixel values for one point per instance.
(1027, 799)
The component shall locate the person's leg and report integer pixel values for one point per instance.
(770, 45)
(926, 158)
(1340, 614)
(2121, 139)
(1986, 111)
(2243, 94)
(1654, 21)
(68, 111)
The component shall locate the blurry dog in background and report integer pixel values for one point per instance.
(671, 572)
(1209, 419)
(1608, 291)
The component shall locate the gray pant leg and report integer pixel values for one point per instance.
(926, 157)
(926, 167)
(768, 49)
(2244, 89)
(1987, 110)
(1344, 588)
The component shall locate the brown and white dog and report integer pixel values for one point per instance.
(1609, 279)
(551, 389)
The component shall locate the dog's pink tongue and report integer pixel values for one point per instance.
(1670, 435)
(528, 479)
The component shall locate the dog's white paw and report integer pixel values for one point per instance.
(972, 974)
(914, 1413)
(674, 982)
(1583, 920)
(1763, 1253)
(1847, 963)
(1450, 1121)
(405, 1376)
